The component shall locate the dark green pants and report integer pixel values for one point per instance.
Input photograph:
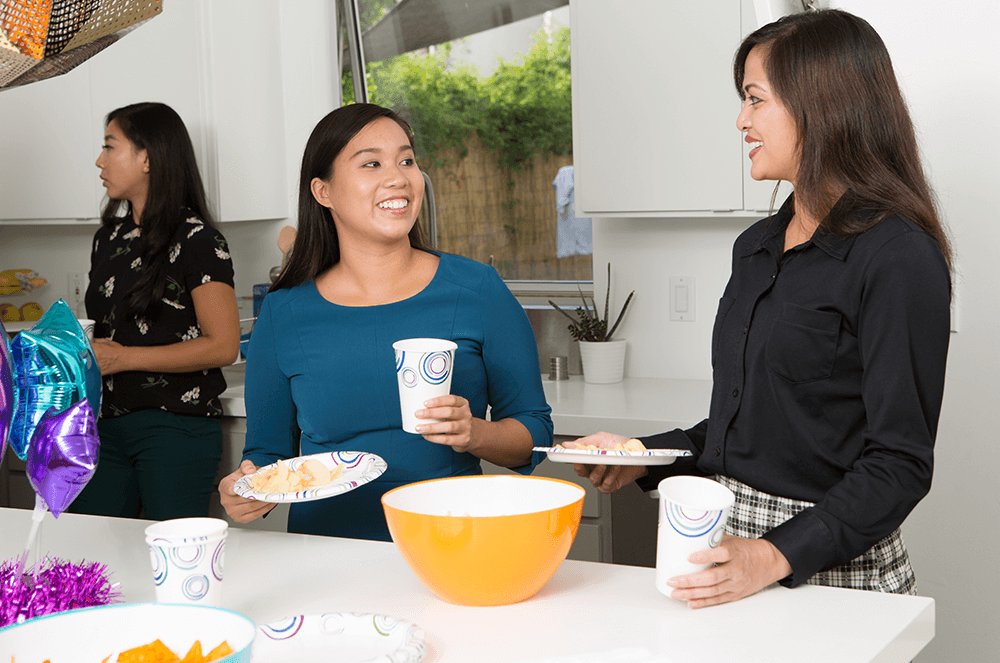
(153, 464)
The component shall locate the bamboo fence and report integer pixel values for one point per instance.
(505, 218)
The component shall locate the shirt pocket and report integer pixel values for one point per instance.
(803, 344)
(725, 304)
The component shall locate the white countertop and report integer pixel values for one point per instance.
(585, 608)
(633, 407)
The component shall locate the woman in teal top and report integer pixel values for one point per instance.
(321, 359)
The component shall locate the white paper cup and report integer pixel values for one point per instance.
(187, 556)
(693, 515)
(88, 328)
(423, 371)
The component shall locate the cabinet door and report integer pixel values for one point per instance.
(160, 61)
(246, 97)
(48, 150)
(654, 108)
(219, 66)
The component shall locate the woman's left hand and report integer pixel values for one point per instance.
(455, 427)
(110, 355)
(742, 567)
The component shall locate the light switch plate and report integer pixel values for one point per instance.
(682, 299)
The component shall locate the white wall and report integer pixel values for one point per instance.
(311, 89)
(947, 66)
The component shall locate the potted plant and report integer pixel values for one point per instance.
(603, 358)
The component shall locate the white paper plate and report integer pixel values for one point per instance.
(612, 457)
(339, 637)
(359, 469)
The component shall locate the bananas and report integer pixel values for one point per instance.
(19, 281)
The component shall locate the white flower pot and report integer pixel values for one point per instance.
(603, 363)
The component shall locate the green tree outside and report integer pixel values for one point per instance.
(522, 110)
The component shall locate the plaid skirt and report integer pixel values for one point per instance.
(884, 568)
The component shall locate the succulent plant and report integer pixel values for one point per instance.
(589, 325)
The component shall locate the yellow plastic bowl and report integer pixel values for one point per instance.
(484, 540)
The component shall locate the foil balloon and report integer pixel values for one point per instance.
(7, 392)
(62, 456)
(54, 367)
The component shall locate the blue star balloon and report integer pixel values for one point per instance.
(7, 392)
(63, 455)
(54, 367)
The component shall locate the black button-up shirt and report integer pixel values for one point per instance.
(828, 367)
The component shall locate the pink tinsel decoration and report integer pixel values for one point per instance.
(59, 586)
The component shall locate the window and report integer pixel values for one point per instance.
(487, 92)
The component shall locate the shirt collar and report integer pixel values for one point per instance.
(772, 239)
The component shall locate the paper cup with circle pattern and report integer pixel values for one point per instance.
(423, 370)
(693, 515)
(88, 328)
(187, 555)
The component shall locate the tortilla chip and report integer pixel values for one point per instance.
(219, 652)
(154, 652)
(194, 654)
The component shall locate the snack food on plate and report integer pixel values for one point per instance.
(283, 479)
(630, 445)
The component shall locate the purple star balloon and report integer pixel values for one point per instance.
(54, 367)
(62, 456)
(7, 393)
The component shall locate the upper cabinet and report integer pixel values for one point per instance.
(47, 149)
(654, 109)
(216, 64)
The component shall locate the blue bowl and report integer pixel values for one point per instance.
(91, 634)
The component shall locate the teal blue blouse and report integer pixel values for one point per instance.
(329, 371)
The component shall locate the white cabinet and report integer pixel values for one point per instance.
(654, 108)
(216, 64)
(47, 150)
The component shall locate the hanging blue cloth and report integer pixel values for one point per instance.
(573, 235)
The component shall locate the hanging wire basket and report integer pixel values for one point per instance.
(40, 39)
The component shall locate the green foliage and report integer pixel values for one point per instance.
(527, 108)
(370, 11)
(521, 111)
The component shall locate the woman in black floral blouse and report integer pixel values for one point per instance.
(161, 295)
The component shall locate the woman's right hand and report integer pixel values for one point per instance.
(241, 509)
(606, 478)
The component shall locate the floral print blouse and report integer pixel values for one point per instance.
(198, 255)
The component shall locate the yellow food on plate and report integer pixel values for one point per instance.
(283, 479)
(630, 445)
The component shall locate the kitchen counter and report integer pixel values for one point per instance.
(633, 407)
(586, 607)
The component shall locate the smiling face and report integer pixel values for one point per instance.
(376, 188)
(770, 128)
(124, 169)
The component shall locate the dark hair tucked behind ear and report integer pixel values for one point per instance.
(317, 247)
(858, 150)
(175, 194)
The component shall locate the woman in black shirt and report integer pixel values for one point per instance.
(161, 295)
(830, 342)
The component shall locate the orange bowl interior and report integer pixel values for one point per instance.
(484, 540)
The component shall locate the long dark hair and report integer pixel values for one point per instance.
(175, 194)
(317, 247)
(856, 141)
